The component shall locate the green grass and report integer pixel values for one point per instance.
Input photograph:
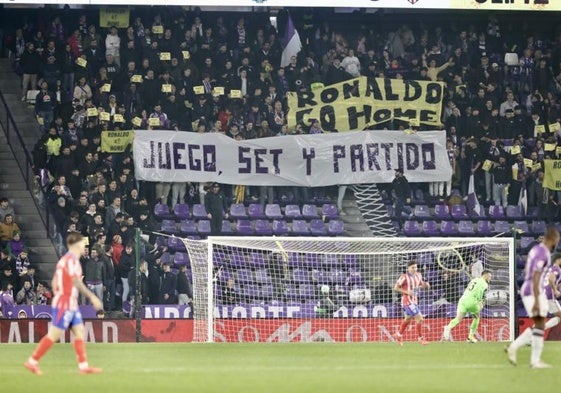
(268, 368)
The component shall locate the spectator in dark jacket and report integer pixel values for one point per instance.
(168, 285)
(402, 191)
(30, 62)
(216, 207)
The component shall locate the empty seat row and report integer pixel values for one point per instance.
(459, 212)
(467, 228)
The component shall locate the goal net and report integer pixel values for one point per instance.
(274, 289)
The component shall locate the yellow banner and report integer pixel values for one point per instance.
(112, 16)
(362, 102)
(552, 174)
(507, 5)
(116, 141)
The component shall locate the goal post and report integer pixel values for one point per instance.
(283, 289)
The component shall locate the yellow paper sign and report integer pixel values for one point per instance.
(555, 127)
(552, 175)
(487, 165)
(515, 150)
(539, 129)
(136, 121)
(515, 172)
(528, 163)
(117, 118)
(106, 88)
(186, 55)
(235, 94)
(116, 141)
(218, 91)
(550, 146)
(81, 62)
(158, 29)
(558, 150)
(91, 112)
(536, 167)
(166, 88)
(165, 56)
(136, 78)
(188, 104)
(41, 121)
(111, 16)
(199, 89)
(104, 116)
(154, 121)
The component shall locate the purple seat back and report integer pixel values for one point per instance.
(513, 212)
(257, 260)
(411, 228)
(227, 227)
(168, 226)
(237, 211)
(330, 261)
(251, 291)
(522, 226)
(237, 260)
(280, 227)
(329, 210)
(273, 211)
(203, 227)
(243, 227)
(448, 228)
(422, 211)
(262, 276)
(538, 227)
(255, 210)
(317, 227)
(188, 227)
(199, 211)
(484, 227)
(244, 276)
(309, 211)
(336, 227)
(181, 211)
(306, 291)
(502, 226)
(166, 257)
(496, 212)
(430, 228)
(300, 275)
(181, 259)
(442, 211)
(266, 292)
(300, 227)
(525, 242)
(161, 211)
(321, 277)
(313, 261)
(176, 244)
(465, 227)
(263, 227)
(292, 212)
(459, 212)
(294, 260)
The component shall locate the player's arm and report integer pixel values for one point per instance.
(536, 289)
(398, 287)
(87, 293)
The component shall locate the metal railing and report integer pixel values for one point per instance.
(24, 160)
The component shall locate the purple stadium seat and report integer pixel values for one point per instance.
(292, 212)
(532, 212)
(294, 260)
(243, 228)
(520, 262)
(280, 228)
(448, 228)
(502, 226)
(300, 228)
(321, 277)
(237, 211)
(251, 292)
(442, 211)
(496, 212)
(329, 210)
(226, 227)
(317, 227)
(421, 211)
(465, 228)
(514, 212)
(336, 227)
(301, 276)
(484, 227)
(188, 227)
(411, 228)
(262, 276)
(257, 260)
(522, 226)
(273, 211)
(199, 212)
(237, 261)
(538, 227)
(525, 242)
(309, 211)
(430, 228)
(313, 261)
(263, 227)
(459, 212)
(355, 278)
(161, 241)
(176, 244)
(306, 291)
(181, 259)
(266, 292)
(244, 276)
(338, 276)
(255, 211)
(181, 211)
(168, 226)
(203, 227)
(161, 212)
(330, 261)
(166, 257)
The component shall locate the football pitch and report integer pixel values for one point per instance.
(264, 368)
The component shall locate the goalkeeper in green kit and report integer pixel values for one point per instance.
(470, 302)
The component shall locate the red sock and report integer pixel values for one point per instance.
(44, 345)
(404, 325)
(420, 329)
(80, 349)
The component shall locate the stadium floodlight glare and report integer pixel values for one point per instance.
(278, 289)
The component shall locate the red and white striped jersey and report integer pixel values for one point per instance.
(66, 294)
(410, 283)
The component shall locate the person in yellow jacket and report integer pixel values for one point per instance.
(53, 143)
(7, 228)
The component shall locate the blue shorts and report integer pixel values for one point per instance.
(411, 310)
(66, 319)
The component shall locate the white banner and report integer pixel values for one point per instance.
(303, 160)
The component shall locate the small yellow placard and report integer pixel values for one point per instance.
(154, 121)
(136, 121)
(188, 104)
(136, 78)
(554, 127)
(487, 165)
(558, 150)
(91, 112)
(106, 88)
(536, 167)
(528, 163)
(104, 116)
(117, 118)
(539, 129)
(186, 55)
(199, 89)
(166, 88)
(41, 121)
(550, 146)
(81, 62)
(158, 29)
(235, 94)
(515, 150)
(218, 90)
(165, 56)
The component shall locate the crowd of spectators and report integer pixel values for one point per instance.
(490, 106)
